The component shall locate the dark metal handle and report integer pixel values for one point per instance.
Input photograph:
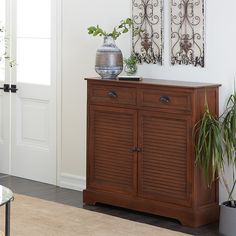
(136, 149)
(112, 94)
(164, 99)
(13, 88)
(7, 88)
(139, 149)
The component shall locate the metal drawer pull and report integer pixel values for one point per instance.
(164, 99)
(112, 94)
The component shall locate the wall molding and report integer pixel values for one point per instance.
(72, 182)
(59, 89)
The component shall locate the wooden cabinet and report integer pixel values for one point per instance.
(140, 153)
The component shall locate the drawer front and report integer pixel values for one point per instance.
(166, 99)
(112, 95)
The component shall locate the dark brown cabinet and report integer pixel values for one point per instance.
(140, 153)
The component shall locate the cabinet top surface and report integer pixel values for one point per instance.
(158, 82)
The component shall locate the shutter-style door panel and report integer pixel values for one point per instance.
(112, 164)
(164, 171)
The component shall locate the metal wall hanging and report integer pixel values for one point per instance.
(147, 45)
(187, 32)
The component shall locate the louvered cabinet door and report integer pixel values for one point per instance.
(164, 163)
(112, 162)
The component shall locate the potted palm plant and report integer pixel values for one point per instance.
(215, 147)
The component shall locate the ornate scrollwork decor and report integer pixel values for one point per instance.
(148, 19)
(187, 32)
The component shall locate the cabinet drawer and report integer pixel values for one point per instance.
(166, 99)
(112, 95)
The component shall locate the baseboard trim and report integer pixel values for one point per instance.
(72, 182)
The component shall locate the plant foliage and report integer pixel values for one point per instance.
(3, 48)
(131, 61)
(229, 136)
(229, 127)
(2, 43)
(215, 142)
(122, 28)
(209, 145)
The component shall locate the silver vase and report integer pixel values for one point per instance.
(109, 59)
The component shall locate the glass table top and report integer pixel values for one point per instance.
(5, 195)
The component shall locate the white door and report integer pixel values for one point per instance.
(33, 106)
(4, 130)
(4, 98)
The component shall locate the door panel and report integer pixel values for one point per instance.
(34, 133)
(4, 131)
(164, 162)
(4, 98)
(33, 120)
(113, 165)
(33, 115)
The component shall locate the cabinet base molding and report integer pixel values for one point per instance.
(186, 216)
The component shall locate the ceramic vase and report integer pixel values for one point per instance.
(109, 59)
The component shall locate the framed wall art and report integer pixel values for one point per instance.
(187, 32)
(147, 45)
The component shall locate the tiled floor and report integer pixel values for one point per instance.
(74, 198)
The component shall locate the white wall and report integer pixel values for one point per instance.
(78, 53)
(78, 58)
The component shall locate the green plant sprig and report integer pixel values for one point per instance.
(131, 61)
(122, 28)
